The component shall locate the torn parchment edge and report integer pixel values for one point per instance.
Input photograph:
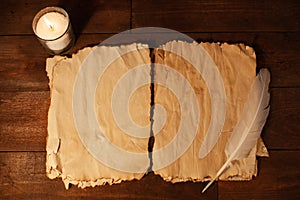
(261, 151)
(259, 148)
(53, 166)
(52, 159)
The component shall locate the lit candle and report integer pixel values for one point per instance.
(53, 29)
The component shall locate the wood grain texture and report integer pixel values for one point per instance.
(23, 120)
(282, 128)
(23, 61)
(217, 16)
(23, 177)
(22, 68)
(22, 64)
(270, 27)
(92, 16)
(278, 179)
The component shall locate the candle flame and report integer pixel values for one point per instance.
(48, 23)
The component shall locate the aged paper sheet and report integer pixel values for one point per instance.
(99, 117)
(68, 156)
(237, 67)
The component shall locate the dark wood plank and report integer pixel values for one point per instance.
(23, 177)
(23, 61)
(93, 16)
(22, 58)
(23, 120)
(22, 64)
(271, 27)
(278, 179)
(282, 128)
(217, 16)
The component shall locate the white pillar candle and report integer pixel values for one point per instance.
(53, 28)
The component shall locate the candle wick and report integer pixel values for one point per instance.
(49, 24)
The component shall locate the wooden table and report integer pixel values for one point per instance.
(271, 27)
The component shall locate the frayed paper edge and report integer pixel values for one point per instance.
(52, 163)
(261, 151)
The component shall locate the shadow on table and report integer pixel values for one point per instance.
(79, 12)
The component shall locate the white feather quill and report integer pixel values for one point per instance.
(250, 125)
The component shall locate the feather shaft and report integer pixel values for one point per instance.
(251, 122)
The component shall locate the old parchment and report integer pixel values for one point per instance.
(237, 67)
(67, 156)
(73, 156)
